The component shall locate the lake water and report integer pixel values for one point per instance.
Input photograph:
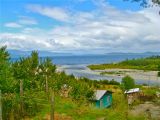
(76, 65)
(94, 59)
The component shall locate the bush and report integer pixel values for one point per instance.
(128, 83)
(159, 74)
(113, 82)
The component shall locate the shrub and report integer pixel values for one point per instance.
(128, 83)
(159, 74)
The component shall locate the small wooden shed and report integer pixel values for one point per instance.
(132, 95)
(103, 98)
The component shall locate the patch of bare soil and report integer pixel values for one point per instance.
(148, 108)
(58, 117)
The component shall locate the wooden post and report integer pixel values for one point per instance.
(52, 107)
(47, 89)
(0, 105)
(21, 96)
(126, 113)
(21, 88)
(149, 114)
(46, 84)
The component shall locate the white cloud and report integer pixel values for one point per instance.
(24, 41)
(13, 25)
(23, 21)
(27, 20)
(52, 12)
(106, 28)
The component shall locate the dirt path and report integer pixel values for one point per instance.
(147, 108)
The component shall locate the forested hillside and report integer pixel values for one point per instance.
(149, 63)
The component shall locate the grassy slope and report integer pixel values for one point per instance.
(150, 63)
(79, 110)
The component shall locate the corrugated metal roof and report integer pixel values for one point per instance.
(99, 93)
(132, 90)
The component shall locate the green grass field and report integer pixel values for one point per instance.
(68, 109)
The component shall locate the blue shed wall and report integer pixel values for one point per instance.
(98, 103)
(105, 101)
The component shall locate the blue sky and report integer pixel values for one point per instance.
(78, 25)
(11, 10)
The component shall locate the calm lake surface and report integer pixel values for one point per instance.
(76, 65)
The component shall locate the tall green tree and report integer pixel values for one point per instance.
(26, 69)
(6, 78)
(128, 83)
(21, 72)
(46, 69)
(33, 69)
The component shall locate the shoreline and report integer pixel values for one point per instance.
(136, 74)
(140, 76)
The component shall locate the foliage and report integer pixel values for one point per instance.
(159, 70)
(111, 82)
(159, 67)
(6, 79)
(111, 73)
(81, 90)
(149, 63)
(38, 76)
(118, 111)
(128, 83)
(150, 91)
(158, 73)
(146, 3)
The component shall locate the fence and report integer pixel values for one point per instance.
(0, 106)
(17, 107)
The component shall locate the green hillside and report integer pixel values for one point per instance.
(149, 63)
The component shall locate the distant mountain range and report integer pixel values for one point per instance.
(19, 53)
(129, 53)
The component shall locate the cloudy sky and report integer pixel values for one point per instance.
(99, 26)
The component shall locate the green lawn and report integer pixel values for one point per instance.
(81, 111)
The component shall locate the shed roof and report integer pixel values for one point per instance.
(98, 94)
(132, 90)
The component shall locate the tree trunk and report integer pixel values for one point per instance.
(52, 107)
(21, 88)
(21, 96)
(46, 84)
(0, 105)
